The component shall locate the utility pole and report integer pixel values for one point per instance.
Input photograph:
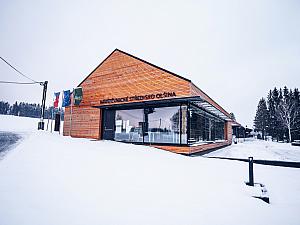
(41, 123)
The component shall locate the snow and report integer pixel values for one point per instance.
(259, 149)
(18, 124)
(50, 179)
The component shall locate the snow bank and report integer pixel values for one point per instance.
(23, 125)
(17, 123)
(50, 179)
(259, 149)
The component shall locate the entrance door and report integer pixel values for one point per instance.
(108, 124)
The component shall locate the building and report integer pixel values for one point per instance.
(130, 100)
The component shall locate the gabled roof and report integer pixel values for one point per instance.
(215, 107)
(132, 56)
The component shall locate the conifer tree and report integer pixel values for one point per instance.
(283, 114)
(272, 125)
(261, 117)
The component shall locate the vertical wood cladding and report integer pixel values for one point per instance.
(121, 75)
(85, 122)
(187, 150)
(228, 131)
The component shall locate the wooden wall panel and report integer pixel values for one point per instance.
(121, 75)
(228, 131)
(85, 122)
(187, 150)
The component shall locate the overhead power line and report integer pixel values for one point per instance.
(44, 84)
(18, 71)
(14, 82)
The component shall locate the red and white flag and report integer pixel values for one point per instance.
(56, 99)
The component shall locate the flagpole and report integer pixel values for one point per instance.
(71, 112)
(59, 121)
(62, 99)
(52, 118)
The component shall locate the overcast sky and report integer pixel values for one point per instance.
(235, 51)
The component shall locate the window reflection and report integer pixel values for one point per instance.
(184, 112)
(204, 127)
(162, 125)
(128, 125)
(168, 125)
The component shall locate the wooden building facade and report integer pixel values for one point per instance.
(130, 100)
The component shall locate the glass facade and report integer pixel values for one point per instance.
(162, 125)
(204, 127)
(128, 125)
(168, 125)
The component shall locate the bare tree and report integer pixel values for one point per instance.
(287, 115)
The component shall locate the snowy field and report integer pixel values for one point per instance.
(54, 180)
(259, 149)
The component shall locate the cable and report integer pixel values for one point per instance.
(18, 71)
(13, 82)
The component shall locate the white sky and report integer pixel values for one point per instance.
(235, 51)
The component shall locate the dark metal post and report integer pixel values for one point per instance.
(41, 123)
(44, 98)
(251, 177)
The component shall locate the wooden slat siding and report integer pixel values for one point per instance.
(66, 127)
(228, 131)
(176, 149)
(192, 149)
(85, 122)
(121, 75)
(200, 148)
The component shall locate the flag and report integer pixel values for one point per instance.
(66, 99)
(56, 100)
(77, 95)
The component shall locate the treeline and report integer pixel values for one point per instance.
(279, 115)
(28, 110)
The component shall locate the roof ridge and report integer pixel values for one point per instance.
(151, 64)
(137, 58)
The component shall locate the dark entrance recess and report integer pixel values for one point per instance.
(108, 124)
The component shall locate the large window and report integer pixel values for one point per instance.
(162, 125)
(128, 125)
(184, 124)
(220, 130)
(170, 125)
(204, 127)
(152, 125)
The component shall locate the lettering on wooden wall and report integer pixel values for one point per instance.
(139, 97)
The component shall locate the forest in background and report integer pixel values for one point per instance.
(279, 115)
(29, 110)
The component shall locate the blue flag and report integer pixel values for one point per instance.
(67, 99)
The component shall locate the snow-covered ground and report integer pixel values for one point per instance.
(259, 149)
(54, 180)
(22, 124)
